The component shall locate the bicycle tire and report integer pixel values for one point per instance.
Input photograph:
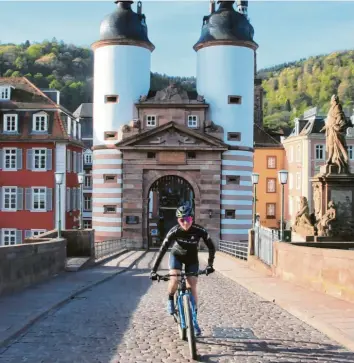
(190, 327)
(181, 331)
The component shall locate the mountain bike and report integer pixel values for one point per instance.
(185, 315)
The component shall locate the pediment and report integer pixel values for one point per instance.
(171, 135)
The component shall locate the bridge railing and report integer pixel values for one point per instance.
(111, 247)
(264, 239)
(237, 249)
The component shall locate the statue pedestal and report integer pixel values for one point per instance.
(328, 186)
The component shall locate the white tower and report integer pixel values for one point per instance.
(242, 7)
(225, 77)
(122, 59)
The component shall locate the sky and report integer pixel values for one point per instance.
(284, 30)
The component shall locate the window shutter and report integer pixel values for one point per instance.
(49, 159)
(78, 198)
(19, 236)
(79, 129)
(0, 158)
(19, 159)
(68, 166)
(49, 197)
(1, 201)
(28, 198)
(72, 199)
(74, 161)
(19, 198)
(69, 125)
(68, 199)
(29, 159)
(79, 162)
(28, 233)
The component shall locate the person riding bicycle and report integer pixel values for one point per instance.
(186, 236)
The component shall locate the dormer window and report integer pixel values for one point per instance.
(4, 93)
(150, 120)
(40, 122)
(10, 123)
(192, 121)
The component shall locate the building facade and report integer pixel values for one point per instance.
(159, 150)
(37, 138)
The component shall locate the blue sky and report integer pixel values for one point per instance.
(284, 30)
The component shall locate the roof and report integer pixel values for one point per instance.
(124, 25)
(84, 110)
(226, 24)
(262, 138)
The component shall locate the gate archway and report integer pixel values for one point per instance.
(165, 195)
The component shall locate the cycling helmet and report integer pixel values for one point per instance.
(185, 210)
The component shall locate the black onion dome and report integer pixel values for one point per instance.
(125, 25)
(226, 24)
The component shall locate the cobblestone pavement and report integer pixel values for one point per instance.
(124, 320)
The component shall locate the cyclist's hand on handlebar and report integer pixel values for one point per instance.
(153, 275)
(209, 270)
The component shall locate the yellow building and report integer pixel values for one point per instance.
(269, 158)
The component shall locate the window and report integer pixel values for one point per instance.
(40, 122)
(9, 237)
(9, 199)
(271, 185)
(270, 210)
(319, 152)
(88, 158)
(109, 209)
(4, 93)
(39, 159)
(39, 199)
(298, 180)
(87, 224)
(235, 100)
(230, 214)
(192, 121)
(291, 154)
(290, 205)
(191, 154)
(234, 136)
(110, 178)
(232, 179)
(111, 99)
(151, 155)
(350, 152)
(87, 203)
(68, 160)
(271, 162)
(110, 135)
(10, 159)
(298, 153)
(37, 232)
(150, 120)
(291, 181)
(88, 181)
(10, 123)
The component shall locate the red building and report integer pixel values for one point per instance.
(38, 137)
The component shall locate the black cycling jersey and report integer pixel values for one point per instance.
(186, 244)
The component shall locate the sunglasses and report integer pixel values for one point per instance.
(186, 219)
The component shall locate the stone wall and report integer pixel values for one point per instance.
(26, 264)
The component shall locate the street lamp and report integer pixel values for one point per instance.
(255, 178)
(80, 178)
(283, 179)
(59, 178)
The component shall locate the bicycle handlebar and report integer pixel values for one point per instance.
(167, 277)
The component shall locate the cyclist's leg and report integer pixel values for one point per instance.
(193, 280)
(175, 269)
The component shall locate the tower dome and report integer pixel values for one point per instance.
(226, 25)
(125, 26)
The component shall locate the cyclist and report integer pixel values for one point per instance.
(186, 236)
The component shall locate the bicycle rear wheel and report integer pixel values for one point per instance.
(181, 331)
(190, 326)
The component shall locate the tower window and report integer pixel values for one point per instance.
(192, 121)
(232, 179)
(151, 155)
(110, 178)
(150, 120)
(110, 135)
(109, 209)
(111, 99)
(234, 136)
(235, 100)
(191, 155)
(230, 214)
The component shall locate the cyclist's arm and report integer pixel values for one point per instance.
(209, 243)
(164, 247)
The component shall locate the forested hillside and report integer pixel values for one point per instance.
(290, 88)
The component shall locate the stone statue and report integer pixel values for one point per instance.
(325, 223)
(336, 146)
(303, 223)
(317, 198)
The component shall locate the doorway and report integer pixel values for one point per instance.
(166, 194)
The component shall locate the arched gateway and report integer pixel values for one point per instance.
(165, 195)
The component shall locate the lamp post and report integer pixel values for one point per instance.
(80, 178)
(59, 178)
(283, 179)
(255, 178)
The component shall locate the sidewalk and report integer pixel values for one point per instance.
(329, 315)
(22, 309)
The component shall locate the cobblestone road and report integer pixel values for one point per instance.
(124, 320)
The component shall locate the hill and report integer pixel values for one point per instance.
(289, 88)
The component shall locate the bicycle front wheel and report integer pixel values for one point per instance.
(182, 332)
(190, 326)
